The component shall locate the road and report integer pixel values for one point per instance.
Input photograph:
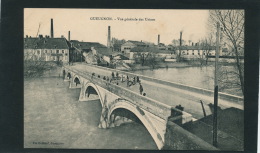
(166, 94)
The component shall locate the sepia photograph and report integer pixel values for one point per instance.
(138, 79)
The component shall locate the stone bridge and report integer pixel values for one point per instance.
(121, 103)
(117, 101)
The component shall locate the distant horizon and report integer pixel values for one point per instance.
(87, 25)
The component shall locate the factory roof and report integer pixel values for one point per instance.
(45, 43)
(149, 49)
(86, 45)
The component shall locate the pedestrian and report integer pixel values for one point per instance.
(141, 89)
(127, 81)
(107, 78)
(122, 78)
(113, 75)
(134, 81)
(137, 79)
(117, 75)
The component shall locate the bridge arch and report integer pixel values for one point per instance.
(141, 116)
(90, 85)
(76, 79)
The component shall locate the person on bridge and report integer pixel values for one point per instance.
(122, 78)
(127, 81)
(141, 89)
(113, 75)
(117, 75)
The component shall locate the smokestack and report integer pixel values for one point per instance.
(181, 38)
(52, 28)
(158, 39)
(69, 36)
(108, 38)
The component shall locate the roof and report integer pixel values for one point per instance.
(122, 57)
(149, 49)
(86, 45)
(117, 45)
(105, 51)
(45, 43)
(137, 43)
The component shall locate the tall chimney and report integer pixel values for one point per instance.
(108, 38)
(69, 36)
(52, 28)
(158, 39)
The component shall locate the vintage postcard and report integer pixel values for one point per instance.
(153, 79)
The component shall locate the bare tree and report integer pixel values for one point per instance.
(232, 25)
(35, 65)
(206, 46)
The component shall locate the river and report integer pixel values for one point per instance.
(202, 77)
(54, 118)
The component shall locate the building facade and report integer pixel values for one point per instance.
(46, 49)
(126, 47)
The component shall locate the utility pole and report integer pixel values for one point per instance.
(215, 113)
(179, 55)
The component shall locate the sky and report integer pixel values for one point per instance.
(167, 23)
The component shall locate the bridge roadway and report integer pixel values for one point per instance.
(169, 93)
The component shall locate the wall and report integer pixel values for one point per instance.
(176, 138)
(46, 54)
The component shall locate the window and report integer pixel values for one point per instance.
(51, 51)
(45, 51)
(38, 52)
(62, 51)
(187, 53)
(66, 54)
(57, 51)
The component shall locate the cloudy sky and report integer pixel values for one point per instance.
(168, 23)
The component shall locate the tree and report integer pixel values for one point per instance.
(141, 57)
(35, 65)
(206, 45)
(232, 26)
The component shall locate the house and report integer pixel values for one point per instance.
(83, 51)
(105, 54)
(161, 46)
(155, 51)
(127, 46)
(117, 47)
(46, 49)
(191, 52)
